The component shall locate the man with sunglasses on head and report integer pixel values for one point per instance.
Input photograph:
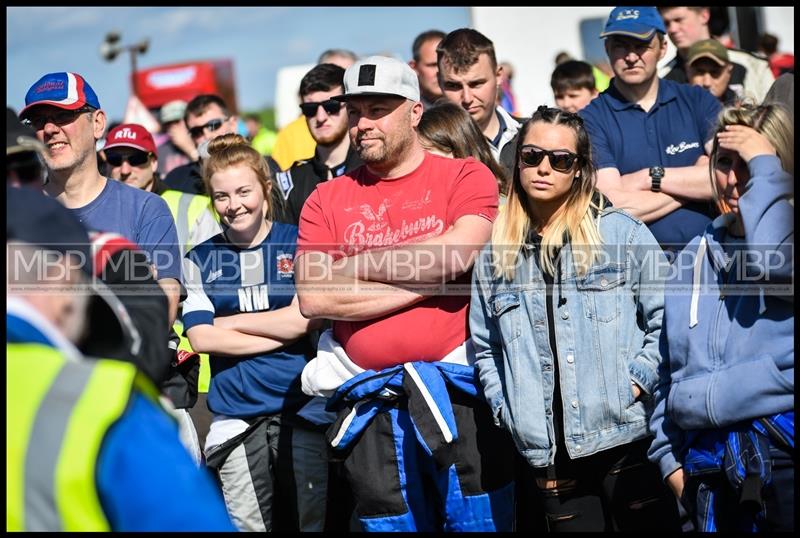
(327, 122)
(650, 137)
(207, 117)
(65, 113)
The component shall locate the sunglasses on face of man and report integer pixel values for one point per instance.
(213, 125)
(59, 117)
(330, 107)
(137, 158)
(560, 160)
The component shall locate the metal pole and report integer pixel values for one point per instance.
(132, 51)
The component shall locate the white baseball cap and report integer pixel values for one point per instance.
(380, 75)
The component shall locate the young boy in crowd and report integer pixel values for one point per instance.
(573, 85)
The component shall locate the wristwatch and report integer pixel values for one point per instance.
(656, 173)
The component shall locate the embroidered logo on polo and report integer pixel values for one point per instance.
(672, 149)
(366, 75)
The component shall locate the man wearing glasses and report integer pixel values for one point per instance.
(649, 136)
(65, 113)
(133, 159)
(327, 122)
(207, 117)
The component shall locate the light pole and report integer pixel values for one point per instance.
(110, 49)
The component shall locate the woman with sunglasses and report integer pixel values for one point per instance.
(265, 442)
(724, 412)
(565, 317)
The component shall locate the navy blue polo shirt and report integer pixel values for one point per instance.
(671, 134)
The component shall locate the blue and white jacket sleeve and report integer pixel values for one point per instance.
(197, 308)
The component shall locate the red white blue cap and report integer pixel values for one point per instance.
(69, 91)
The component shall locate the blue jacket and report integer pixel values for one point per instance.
(729, 354)
(425, 386)
(145, 478)
(607, 328)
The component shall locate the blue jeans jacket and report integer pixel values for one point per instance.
(607, 325)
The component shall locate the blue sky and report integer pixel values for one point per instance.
(260, 40)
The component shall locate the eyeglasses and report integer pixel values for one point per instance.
(559, 159)
(138, 158)
(57, 117)
(212, 126)
(330, 106)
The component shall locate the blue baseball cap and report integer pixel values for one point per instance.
(637, 22)
(69, 91)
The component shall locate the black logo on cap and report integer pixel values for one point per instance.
(366, 75)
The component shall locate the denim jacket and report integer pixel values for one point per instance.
(607, 326)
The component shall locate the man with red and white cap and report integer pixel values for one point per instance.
(132, 157)
(65, 112)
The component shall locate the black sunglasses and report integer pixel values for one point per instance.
(330, 106)
(213, 125)
(57, 117)
(560, 159)
(138, 158)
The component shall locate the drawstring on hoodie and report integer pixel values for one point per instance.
(696, 276)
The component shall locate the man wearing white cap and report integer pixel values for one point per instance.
(386, 251)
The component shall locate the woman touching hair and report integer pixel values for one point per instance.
(242, 310)
(724, 411)
(565, 317)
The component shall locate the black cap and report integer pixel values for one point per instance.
(20, 137)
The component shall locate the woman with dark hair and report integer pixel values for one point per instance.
(724, 410)
(565, 317)
(447, 129)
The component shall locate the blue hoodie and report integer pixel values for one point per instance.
(729, 354)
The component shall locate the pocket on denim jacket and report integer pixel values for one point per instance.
(602, 290)
(505, 309)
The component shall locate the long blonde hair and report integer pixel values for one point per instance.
(231, 150)
(575, 221)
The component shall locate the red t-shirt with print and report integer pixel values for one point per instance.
(359, 212)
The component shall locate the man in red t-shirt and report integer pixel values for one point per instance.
(386, 252)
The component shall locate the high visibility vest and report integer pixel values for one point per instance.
(186, 209)
(57, 414)
(204, 377)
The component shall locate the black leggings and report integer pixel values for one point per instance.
(614, 490)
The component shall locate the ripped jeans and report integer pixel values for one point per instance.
(614, 490)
